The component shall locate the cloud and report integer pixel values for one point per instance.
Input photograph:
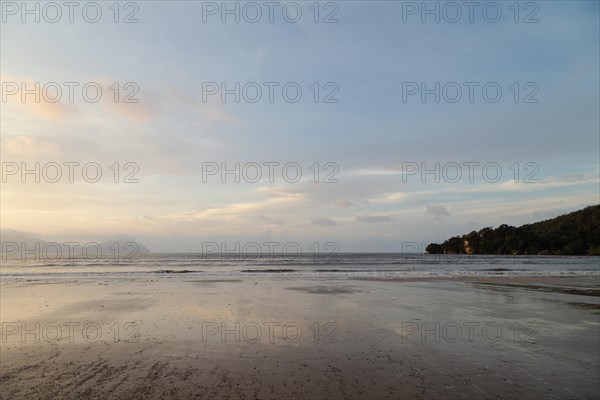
(278, 191)
(323, 222)
(26, 145)
(52, 111)
(374, 171)
(269, 220)
(343, 203)
(40, 101)
(395, 197)
(375, 219)
(137, 112)
(237, 211)
(438, 212)
(58, 102)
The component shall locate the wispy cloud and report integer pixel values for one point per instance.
(438, 212)
(323, 222)
(373, 219)
(23, 145)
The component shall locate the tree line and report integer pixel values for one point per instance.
(576, 233)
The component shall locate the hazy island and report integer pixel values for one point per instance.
(18, 244)
(576, 233)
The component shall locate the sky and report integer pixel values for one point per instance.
(498, 105)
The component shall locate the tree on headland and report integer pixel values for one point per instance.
(577, 233)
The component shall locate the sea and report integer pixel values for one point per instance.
(376, 265)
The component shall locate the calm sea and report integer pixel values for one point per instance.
(354, 264)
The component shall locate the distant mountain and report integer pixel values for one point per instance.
(13, 236)
(577, 233)
(126, 247)
(16, 243)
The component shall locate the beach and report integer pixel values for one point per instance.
(273, 336)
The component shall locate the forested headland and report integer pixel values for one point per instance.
(576, 233)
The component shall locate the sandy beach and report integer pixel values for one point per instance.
(273, 337)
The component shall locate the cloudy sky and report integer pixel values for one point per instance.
(386, 92)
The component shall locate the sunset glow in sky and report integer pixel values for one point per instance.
(370, 140)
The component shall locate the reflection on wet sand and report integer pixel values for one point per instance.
(306, 338)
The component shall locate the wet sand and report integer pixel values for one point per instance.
(276, 337)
